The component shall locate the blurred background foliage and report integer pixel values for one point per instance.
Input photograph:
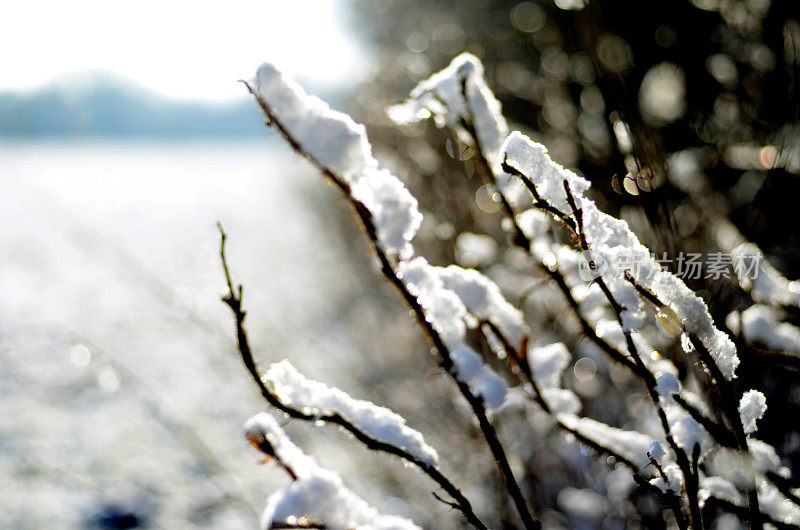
(616, 90)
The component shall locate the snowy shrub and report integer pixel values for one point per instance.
(658, 434)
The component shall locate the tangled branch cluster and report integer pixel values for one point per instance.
(694, 449)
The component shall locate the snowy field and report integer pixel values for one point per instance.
(121, 393)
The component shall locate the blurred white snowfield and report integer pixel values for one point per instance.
(689, 443)
(121, 396)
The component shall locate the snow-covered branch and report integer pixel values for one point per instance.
(316, 495)
(694, 448)
(343, 155)
(377, 428)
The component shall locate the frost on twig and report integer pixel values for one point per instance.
(316, 494)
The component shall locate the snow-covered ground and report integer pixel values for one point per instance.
(120, 389)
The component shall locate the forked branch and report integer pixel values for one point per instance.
(233, 299)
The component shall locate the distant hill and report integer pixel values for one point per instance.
(100, 105)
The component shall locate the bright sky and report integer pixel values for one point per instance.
(182, 48)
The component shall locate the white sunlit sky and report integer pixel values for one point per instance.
(179, 48)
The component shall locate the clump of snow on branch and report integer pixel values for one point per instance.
(765, 458)
(759, 324)
(443, 96)
(561, 401)
(446, 312)
(616, 249)
(630, 444)
(337, 143)
(671, 482)
(548, 364)
(656, 451)
(687, 433)
(772, 502)
(474, 250)
(752, 407)
(719, 488)
(764, 282)
(316, 495)
(534, 224)
(483, 299)
(533, 161)
(313, 397)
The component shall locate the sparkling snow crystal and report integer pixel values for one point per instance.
(752, 407)
(292, 388)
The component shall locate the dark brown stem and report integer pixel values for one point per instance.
(731, 411)
(536, 396)
(285, 525)
(529, 520)
(234, 300)
(681, 458)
